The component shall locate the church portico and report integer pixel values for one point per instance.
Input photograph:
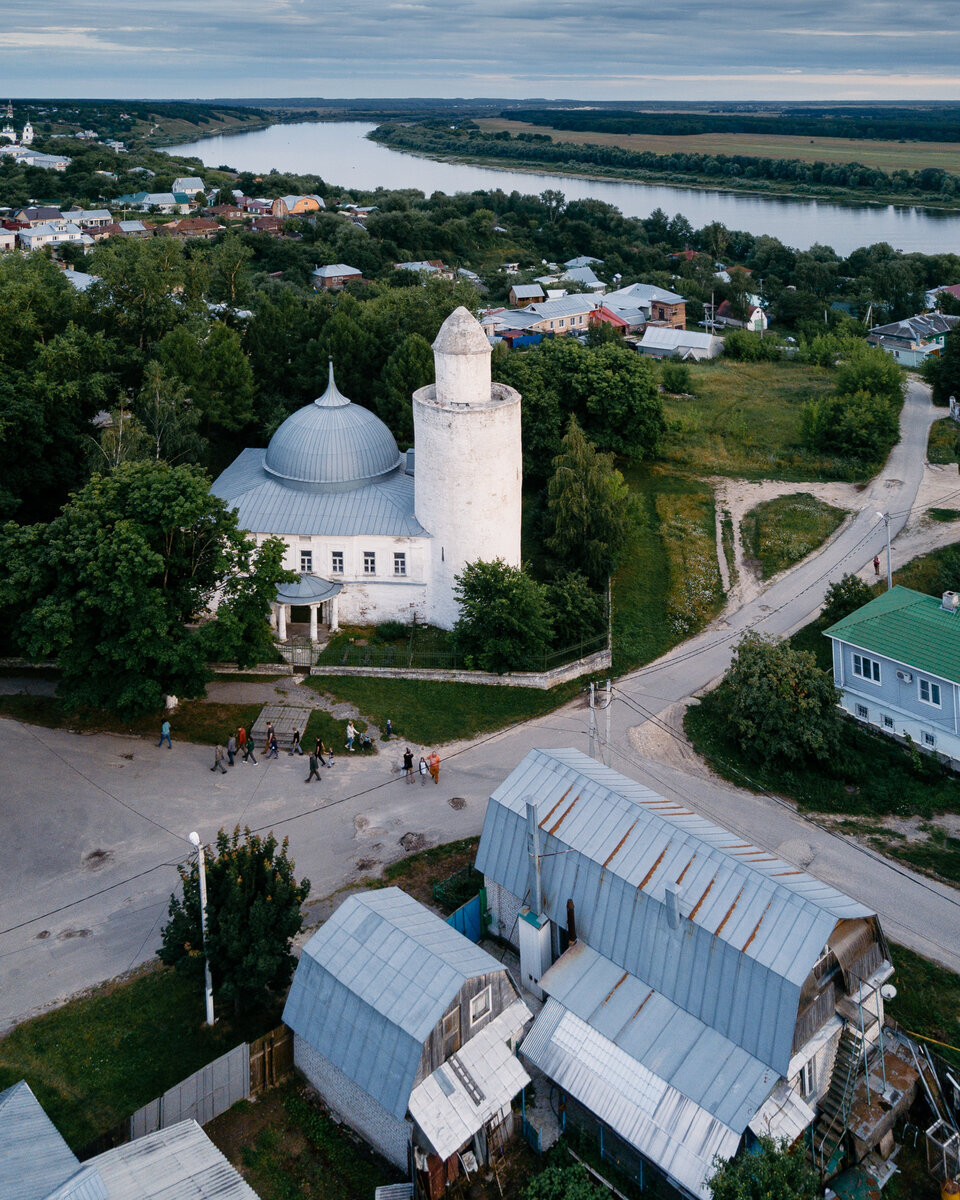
(320, 596)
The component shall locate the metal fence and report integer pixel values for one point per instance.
(389, 655)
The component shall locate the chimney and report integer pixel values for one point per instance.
(672, 901)
(950, 601)
(535, 888)
(571, 924)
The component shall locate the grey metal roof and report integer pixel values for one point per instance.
(34, 1158)
(373, 982)
(334, 270)
(682, 1050)
(752, 925)
(307, 589)
(645, 294)
(332, 441)
(660, 337)
(582, 260)
(265, 505)
(176, 1163)
(565, 306)
(85, 1184)
(669, 1128)
(527, 291)
(580, 275)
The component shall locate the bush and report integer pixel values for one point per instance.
(392, 631)
(860, 426)
(744, 346)
(676, 378)
(843, 598)
(504, 622)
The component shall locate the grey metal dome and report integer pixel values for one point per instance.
(332, 442)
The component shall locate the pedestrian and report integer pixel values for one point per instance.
(433, 761)
(242, 742)
(876, 564)
(231, 748)
(218, 760)
(424, 770)
(314, 769)
(296, 748)
(408, 764)
(248, 751)
(389, 734)
(165, 734)
(267, 736)
(273, 750)
(351, 734)
(322, 750)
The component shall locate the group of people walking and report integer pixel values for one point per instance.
(427, 768)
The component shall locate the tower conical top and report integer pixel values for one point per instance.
(332, 397)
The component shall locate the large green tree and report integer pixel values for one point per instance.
(109, 585)
(208, 359)
(778, 704)
(408, 368)
(860, 426)
(588, 508)
(943, 373)
(620, 401)
(769, 1172)
(870, 369)
(504, 622)
(253, 912)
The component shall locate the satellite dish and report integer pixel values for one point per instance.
(888, 991)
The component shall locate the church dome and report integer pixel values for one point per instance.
(332, 442)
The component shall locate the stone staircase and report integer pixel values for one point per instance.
(835, 1105)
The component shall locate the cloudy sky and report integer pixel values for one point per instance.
(613, 49)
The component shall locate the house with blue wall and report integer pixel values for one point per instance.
(896, 662)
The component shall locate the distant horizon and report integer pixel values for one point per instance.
(253, 101)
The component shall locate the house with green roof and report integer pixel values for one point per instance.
(896, 662)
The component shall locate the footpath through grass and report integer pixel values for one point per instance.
(781, 532)
(98, 1059)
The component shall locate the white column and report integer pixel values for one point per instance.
(282, 622)
(273, 616)
(334, 614)
(313, 622)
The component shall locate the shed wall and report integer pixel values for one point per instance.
(502, 995)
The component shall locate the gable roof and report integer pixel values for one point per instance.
(909, 627)
(646, 294)
(34, 1158)
(527, 291)
(373, 982)
(582, 260)
(334, 271)
(751, 925)
(659, 337)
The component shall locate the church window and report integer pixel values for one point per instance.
(306, 561)
(400, 564)
(336, 562)
(369, 562)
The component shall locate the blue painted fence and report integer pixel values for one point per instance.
(469, 919)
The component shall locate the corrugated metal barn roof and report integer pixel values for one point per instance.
(706, 1067)
(265, 505)
(34, 1158)
(373, 982)
(666, 1126)
(751, 927)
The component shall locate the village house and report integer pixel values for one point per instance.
(132, 228)
(699, 992)
(896, 662)
(524, 294)
(914, 339)
(272, 226)
(226, 212)
(54, 234)
(661, 342)
(582, 260)
(163, 202)
(189, 227)
(661, 306)
(932, 296)
(571, 314)
(407, 1030)
(426, 267)
(334, 275)
(722, 317)
(585, 277)
(43, 215)
(8, 239)
(296, 206)
(89, 218)
(189, 185)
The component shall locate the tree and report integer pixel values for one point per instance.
(564, 1183)
(770, 1170)
(778, 703)
(504, 622)
(943, 373)
(408, 368)
(210, 363)
(620, 401)
(588, 508)
(843, 598)
(109, 585)
(860, 426)
(167, 418)
(576, 609)
(253, 913)
(229, 271)
(241, 633)
(870, 369)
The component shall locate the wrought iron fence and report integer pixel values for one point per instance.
(411, 657)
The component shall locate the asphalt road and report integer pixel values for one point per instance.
(95, 824)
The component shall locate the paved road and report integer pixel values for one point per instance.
(95, 824)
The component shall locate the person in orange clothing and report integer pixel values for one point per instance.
(433, 762)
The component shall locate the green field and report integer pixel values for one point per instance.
(744, 420)
(780, 532)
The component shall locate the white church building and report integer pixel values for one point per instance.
(376, 535)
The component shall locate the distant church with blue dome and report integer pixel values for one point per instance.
(379, 535)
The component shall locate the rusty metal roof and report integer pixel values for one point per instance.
(751, 927)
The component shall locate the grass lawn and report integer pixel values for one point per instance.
(429, 714)
(98, 1059)
(782, 531)
(944, 441)
(418, 646)
(927, 1000)
(744, 420)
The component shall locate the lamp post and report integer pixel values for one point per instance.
(202, 871)
(885, 518)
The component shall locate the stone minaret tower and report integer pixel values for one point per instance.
(469, 468)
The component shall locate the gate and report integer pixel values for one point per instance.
(470, 918)
(532, 1135)
(271, 1059)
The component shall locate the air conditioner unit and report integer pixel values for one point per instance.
(905, 676)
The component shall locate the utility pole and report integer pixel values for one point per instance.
(606, 736)
(593, 719)
(885, 518)
(208, 980)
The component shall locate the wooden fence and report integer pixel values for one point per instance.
(271, 1059)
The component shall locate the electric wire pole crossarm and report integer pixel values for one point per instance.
(202, 874)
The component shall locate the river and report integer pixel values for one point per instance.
(340, 152)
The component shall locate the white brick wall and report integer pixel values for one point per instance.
(504, 908)
(385, 1132)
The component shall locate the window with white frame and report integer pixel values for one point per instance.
(929, 692)
(929, 739)
(808, 1080)
(481, 1006)
(336, 562)
(866, 668)
(863, 713)
(887, 722)
(369, 562)
(399, 563)
(306, 561)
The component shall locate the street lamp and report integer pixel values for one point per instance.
(208, 981)
(885, 518)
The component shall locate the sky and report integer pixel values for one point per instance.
(589, 49)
